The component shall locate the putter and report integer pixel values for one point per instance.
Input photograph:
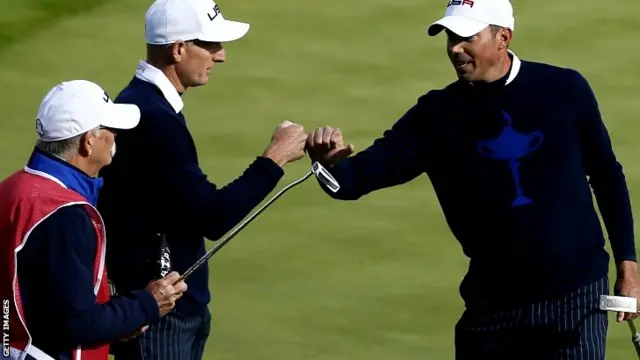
(623, 304)
(316, 169)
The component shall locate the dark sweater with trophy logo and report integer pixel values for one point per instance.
(513, 164)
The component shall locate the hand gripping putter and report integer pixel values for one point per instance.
(316, 169)
(623, 304)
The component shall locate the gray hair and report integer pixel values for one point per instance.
(495, 29)
(64, 149)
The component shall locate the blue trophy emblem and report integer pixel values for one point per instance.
(511, 145)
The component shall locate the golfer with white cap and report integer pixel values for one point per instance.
(157, 163)
(53, 278)
(512, 149)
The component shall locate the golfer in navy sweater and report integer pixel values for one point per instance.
(157, 164)
(511, 149)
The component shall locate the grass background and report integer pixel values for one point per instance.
(315, 278)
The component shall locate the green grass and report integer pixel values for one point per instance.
(314, 278)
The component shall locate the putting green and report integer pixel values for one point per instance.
(314, 278)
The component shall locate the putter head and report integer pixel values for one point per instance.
(325, 177)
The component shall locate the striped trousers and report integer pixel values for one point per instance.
(568, 327)
(174, 337)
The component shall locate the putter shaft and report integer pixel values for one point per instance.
(225, 239)
(635, 337)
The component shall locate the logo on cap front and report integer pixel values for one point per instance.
(39, 128)
(216, 12)
(460, 2)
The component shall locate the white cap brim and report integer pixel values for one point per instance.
(460, 26)
(225, 31)
(121, 116)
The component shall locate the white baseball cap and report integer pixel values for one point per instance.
(468, 17)
(74, 107)
(168, 21)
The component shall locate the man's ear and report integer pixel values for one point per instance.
(178, 50)
(86, 144)
(504, 37)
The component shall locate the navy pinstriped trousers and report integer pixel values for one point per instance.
(174, 337)
(569, 327)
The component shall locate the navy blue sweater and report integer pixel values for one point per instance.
(55, 270)
(155, 187)
(512, 166)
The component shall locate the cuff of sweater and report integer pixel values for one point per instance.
(627, 256)
(149, 306)
(265, 164)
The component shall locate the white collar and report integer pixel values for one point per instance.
(515, 67)
(153, 75)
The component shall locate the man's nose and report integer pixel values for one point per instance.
(456, 48)
(219, 56)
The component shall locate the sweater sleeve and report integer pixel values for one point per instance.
(59, 280)
(395, 158)
(605, 173)
(203, 206)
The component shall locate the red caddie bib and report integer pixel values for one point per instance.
(27, 198)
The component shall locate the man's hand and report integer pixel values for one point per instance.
(287, 144)
(166, 293)
(325, 145)
(627, 284)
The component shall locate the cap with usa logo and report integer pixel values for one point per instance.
(169, 21)
(74, 107)
(468, 17)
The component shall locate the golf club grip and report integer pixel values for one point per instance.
(230, 235)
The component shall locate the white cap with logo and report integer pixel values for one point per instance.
(74, 107)
(169, 21)
(468, 17)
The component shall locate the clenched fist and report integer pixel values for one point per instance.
(325, 145)
(287, 143)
